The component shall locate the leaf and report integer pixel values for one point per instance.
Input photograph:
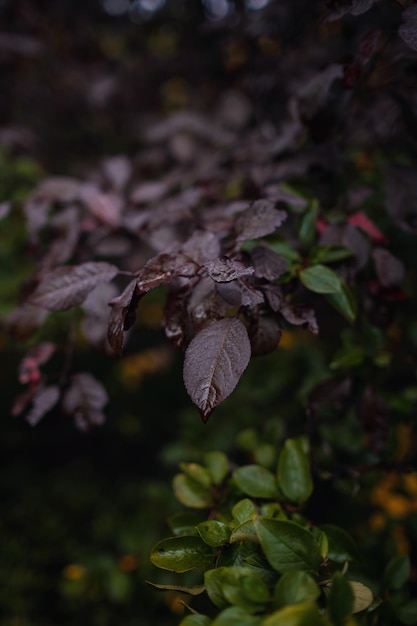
(214, 533)
(196, 620)
(340, 599)
(29, 366)
(84, 400)
(224, 270)
(321, 279)
(236, 616)
(344, 302)
(162, 269)
(362, 596)
(295, 587)
(397, 572)
(287, 546)
(181, 554)
(300, 315)
(24, 321)
(267, 263)
(260, 219)
(408, 30)
(341, 545)
(338, 8)
(244, 510)
(349, 237)
(122, 316)
(68, 286)
(105, 207)
(361, 220)
(305, 614)
(264, 332)
(214, 361)
(237, 585)
(294, 473)
(217, 464)
(389, 269)
(201, 247)
(44, 400)
(191, 493)
(407, 612)
(194, 590)
(256, 481)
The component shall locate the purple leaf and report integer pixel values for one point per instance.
(29, 366)
(122, 316)
(339, 8)
(117, 170)
(176, 324)
(85, 400)
(106, 207)
(349, 237)
(260, 219)
(44, 400)
(68, 286)
(401, 196)
(214, 362)
(162, 269)
(5, 209)
(24, 321)
(268, 264)
(250, 295)
(273, 296)
(408, 30)
(264, 332)
(224, 270)
(389, 269)
(205, 302)
(300, 315)
(202, 246)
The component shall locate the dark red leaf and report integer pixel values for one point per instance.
(260, 219)
(44, 400)
(273, 296)
(106, 207)
(268, 264)
(68, 286)
(176, 322)
(389, 269)
(162, 269)
(29, 367)
(206, 302)
(264, 332)
(224, 270)
(24, 321)
(364, 223)
(202, 246)
(300, 315)
(122, 316)
(214, 362)
(84, 400)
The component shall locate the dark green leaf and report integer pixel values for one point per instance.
(181, 554)
(407, 613)
(287, 546)
(245, 531)
(191, 493)
(196, 620)
(244, 510)
(340, 599)
(295, 587)
(184, 523)
(197, 473)
(344, 302)
(348, 356)
(321, 279)
(239, 586)
(329, 254)
(194, 590)
(307, 230)
(294, 472)
(397, 572)
(341, 545)
(256, 481)
(217, 464)
(214, 533)
(305, 614)
(235, 616)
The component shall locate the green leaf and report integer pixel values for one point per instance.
(287, 546)
(256, 481)
(244, 510)
(217, 464)
(407, 613)
(344, 302)
(191, 493)
(245, 531)
(294, 588)
(321, 279)
(239, 586)
(340, 599)
(181, 554)
(184, 523)
(362, 596)
(294, 474)
(214, 533)
(194, 590)
(235, 616)
(196, 620)
(329, 254)
(342, 548)
(197, 473)
(306, 614)
(397, 572)
(348, 356)
(307, 230)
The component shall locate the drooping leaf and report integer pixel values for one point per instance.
(68, 286)
(162, 269)
(214, 361)
(389, 269)
(295, 587)
(408, 30)
(224, 270)
(287, 546)
(181, 554)
(256, 481)
(294, 473)
(260, 219)
(84, 400)
(122, 316)
(267, 263)
(321, 279)
(44, 400)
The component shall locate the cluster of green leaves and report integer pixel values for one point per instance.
(264, 562)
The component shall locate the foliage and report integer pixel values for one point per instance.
(259, 200)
